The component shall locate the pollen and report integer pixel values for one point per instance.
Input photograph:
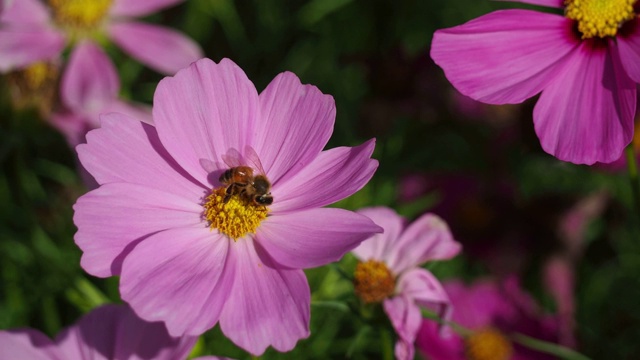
(373, 281)
(235, 218)
(488, 344)
(599, 18)
(80, 14)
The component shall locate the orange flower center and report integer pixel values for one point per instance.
(488, 344)
(373, 281)
(599, 18)
(236, 217)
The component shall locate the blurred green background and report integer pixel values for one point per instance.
(436, 149)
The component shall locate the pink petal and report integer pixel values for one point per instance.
(203, 111)
(586, 114)
(405, 318)
(476, 306)
(114, 217)
(380, 246)
(124, 149)
(27, 344)
(90, 80)
(25, 13)
(296, 121)
(136, 8)
(266, 306)
(115, 332)
(138, 111)
(629, 47)
(313, 237)
(162, 49)
(427, 238)
(22, 47)
(505, 56)
(180, 276)
(548, 3)
(424, 289)
(333, 175)
(438, 347)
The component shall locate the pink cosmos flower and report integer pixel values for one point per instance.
(585, 69)
(90, 87)
(31, 32)
(108, 332)
(192, 251)
(389, 271)
(494, 311)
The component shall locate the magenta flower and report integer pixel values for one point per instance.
(90, 87)
(494, 312)
(108, 332)
(585, 64)
(193, 251)
(389, 271)
(31, 32)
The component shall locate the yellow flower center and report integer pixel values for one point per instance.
(488, 344)
(599, 18)
(34, 86)
(373, 281)
(234, 218)
(80, 14)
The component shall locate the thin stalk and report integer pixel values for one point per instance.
(559, 351)
(633, 176)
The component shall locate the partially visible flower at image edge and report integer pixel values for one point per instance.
(32, 32)
(164, 223)
(389, 271)
(107, 332)
(494, 312)
(585, 64)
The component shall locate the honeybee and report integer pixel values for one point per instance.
(242, 181)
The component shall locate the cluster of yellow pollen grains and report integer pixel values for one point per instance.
(488, 344)
(373, 282)
(234, 218)
(80, 14)
(599, 18)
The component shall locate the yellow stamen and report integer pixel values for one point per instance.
(488, 344)
(80, 14)
(599, 18)
(234, 218)
(373, 281)
(34, 86)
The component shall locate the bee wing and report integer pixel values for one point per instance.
(253, 159)
(208, 165)
(232, 158)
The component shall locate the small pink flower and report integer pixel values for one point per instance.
(494, 311)
(108, 332)
(31, 32)
(389, 271)
(90, 86)
(585, 70)
(192, 251)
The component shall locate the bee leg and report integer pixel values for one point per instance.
(228, 192)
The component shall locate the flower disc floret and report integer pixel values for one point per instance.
(234, 218)
(80, 14)
(599, 18)
(373, 281)
(488, 344)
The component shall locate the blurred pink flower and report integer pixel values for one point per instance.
(189, 255)
(586, 74)
(390, 271)
(494, 312)
(31, 32)
(108, 332)
(90, 87)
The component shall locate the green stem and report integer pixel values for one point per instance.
(633, 176)
(557, 350)
(387, 344)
